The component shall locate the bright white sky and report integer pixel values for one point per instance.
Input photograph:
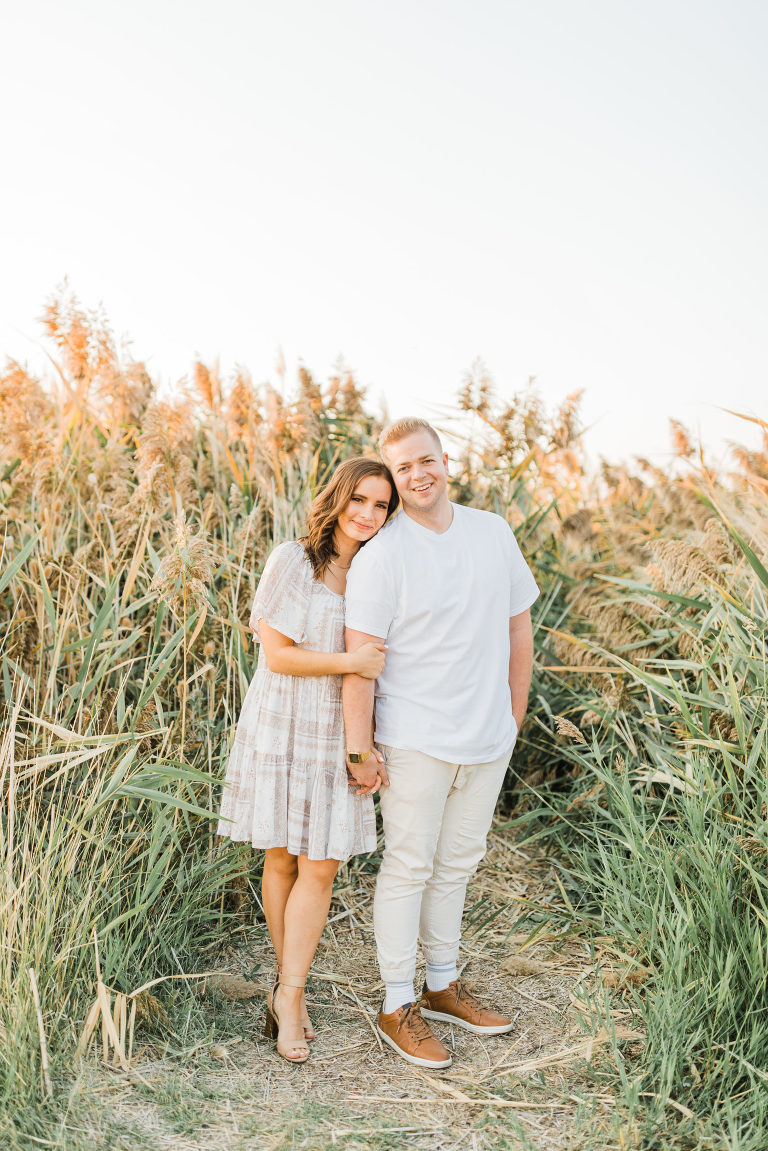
(574, 191)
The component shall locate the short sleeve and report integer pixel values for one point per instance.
(370, 603)
(523, 589)
(282, 597)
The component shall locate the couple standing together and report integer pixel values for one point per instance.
(423, 626)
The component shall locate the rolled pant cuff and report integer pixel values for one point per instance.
(398, 974)
(432, 955)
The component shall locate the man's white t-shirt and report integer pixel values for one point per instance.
(442, 602)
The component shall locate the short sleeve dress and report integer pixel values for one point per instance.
(286, 780)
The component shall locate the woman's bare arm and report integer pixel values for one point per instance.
(285, 658)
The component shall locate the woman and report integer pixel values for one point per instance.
(286, 787)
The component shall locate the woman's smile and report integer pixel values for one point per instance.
(366, 511)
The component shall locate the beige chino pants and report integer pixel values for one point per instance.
(436, 818)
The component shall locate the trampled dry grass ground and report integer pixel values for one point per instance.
(230, 1091)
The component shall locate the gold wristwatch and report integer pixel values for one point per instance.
(358, 756)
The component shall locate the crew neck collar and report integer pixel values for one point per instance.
(431, 531)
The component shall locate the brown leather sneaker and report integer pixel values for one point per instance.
(409, 1034)
(457, 1005)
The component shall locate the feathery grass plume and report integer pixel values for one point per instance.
(510, 450)
(111, 473)
(679, 503)
(722, 727)
(27, 438)
(344, 398)
(235, 501)
(568, 729)
(309, 407)
(572, 653)
(310, 404)
(277, 430)
(592, 718)
(617, 695)
(242, 409)
(84, 340)
(104, 714)
(611, 475)
(477, 391)
(183, 577)
(67, 325)
(753, 464)
(98, 384)
(123, 394)
(21, 639)
(567, 428)
(752, 845)
(718, 544)
(207, 384)
(166, 448)
(578, 528)
(681, 440)
(535, 419)
(682, 566)
(615, 625)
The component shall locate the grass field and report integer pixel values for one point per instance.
(133, 531)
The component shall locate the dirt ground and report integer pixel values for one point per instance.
(533, 1088)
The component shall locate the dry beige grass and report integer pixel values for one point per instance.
(234, 1092)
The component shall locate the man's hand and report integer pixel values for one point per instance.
(367, 778)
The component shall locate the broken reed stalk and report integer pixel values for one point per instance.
(117, 1026)
(41, 1029)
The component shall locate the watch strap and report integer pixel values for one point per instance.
(358, 756)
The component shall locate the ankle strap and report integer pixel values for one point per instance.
(292, 980)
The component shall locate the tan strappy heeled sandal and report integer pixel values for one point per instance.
(273, 1030)
(307, 1024)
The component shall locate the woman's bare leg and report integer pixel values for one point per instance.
(306, 913)
(281, 870)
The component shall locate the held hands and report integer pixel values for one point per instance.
(368, 660)
(367, 778)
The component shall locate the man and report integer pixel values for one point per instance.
(446, 588)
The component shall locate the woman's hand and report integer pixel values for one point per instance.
(368, 660)
(367, 778)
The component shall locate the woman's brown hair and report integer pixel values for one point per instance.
(332, 500)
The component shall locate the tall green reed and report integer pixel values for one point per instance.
(655, 811)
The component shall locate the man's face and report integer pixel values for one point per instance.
(420, 472)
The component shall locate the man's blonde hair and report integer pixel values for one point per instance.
(405, 427)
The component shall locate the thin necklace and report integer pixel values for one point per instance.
(340, 566)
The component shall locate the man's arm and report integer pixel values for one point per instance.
(357, 703)
(520, 663)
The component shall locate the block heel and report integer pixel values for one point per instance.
(286, 1043)
(271, 1026)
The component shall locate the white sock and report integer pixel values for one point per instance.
(396, 995)
(439, 975)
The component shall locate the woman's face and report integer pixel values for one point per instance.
(366, 511)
